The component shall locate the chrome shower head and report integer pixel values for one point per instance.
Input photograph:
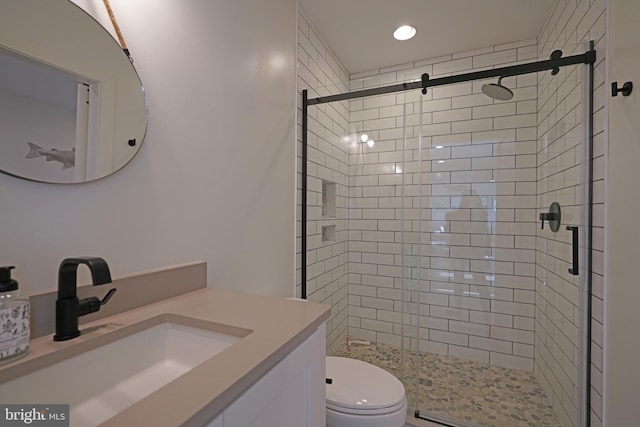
(497, 91)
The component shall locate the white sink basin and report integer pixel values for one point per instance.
(102, 382)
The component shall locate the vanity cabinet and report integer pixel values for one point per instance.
(291, 394)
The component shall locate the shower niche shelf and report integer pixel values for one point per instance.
(328, 199)
(328, 233)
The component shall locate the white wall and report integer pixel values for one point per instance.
(215, 177)
(622, 293)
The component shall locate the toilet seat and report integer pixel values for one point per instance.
(361, 388)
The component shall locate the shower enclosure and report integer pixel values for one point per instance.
(426, 225)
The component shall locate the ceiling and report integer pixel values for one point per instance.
(360, 31)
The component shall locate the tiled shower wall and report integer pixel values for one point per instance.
(478, 210)
(327, 253)
(570, 22)
(560, 132)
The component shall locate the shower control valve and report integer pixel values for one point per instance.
(553, 217)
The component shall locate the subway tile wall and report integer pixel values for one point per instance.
(320, 72)
(480, 304)
(559, 155)
(476, 235)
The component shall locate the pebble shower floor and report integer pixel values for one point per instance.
(475, 393)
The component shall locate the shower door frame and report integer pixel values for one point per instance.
(588, 58)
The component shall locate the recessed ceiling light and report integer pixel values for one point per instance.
(404, 32)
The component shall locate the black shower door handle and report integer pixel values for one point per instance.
(574, 231)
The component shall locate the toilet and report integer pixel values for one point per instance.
(359, 394)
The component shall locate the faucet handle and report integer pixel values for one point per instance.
(108, 296)
(92, 304)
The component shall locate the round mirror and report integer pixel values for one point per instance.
(72, 107)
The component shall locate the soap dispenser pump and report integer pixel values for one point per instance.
(14, 318)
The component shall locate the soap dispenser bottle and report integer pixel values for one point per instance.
(14, 318)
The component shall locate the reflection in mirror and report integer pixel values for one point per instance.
(44, 112)
(65, 118)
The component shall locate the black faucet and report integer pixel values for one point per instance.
(68, 307)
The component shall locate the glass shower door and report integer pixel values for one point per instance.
(498, 336)
(453, 284)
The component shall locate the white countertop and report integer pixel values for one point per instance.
(273, 328)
